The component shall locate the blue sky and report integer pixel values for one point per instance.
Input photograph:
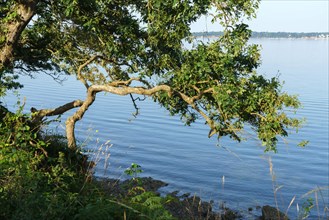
(283, 15)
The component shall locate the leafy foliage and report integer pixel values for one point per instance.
(137, 47)
(133, 170)
(307, 206)
(40, 178)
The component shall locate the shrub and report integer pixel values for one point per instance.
(41, 178)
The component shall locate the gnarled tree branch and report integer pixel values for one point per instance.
(94, 89)
(135, 105)
(38, 115)
(79, 74)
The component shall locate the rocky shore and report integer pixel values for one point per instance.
(189, 207)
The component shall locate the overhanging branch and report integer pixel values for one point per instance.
(159, 88)
(120, 88)
(38, 115)
(79, 74)
(135, 105)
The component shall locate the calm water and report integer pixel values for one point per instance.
(190, 162)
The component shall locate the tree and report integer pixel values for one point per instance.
(135, 47)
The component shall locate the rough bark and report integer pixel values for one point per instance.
(123, 90)
(70, 122)
(13, 29)
(38, 115)
(25, 10)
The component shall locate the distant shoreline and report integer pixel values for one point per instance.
(271, 35)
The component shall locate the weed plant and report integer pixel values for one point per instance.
(41, 178)
(309, 201)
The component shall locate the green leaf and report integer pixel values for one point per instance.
(303, 143)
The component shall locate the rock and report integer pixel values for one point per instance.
(121, 188)
(229, 215)
(272, 213)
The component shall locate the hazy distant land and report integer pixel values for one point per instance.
(311, 35)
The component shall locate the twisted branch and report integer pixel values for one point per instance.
(79, 75)
(94, 89)
(38, 115)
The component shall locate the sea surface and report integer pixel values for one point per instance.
(231, 174)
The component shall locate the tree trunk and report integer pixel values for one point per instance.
(14, 28)
(70, 122)
(94, 89)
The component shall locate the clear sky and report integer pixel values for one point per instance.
(282, 15)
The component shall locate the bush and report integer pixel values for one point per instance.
(41, 178)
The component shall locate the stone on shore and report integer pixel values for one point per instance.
(272, 213)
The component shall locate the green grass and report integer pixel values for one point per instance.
(40, 178)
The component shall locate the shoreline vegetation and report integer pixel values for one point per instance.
(270, 35)
(186, 206)
(45, 175)
(41, 178)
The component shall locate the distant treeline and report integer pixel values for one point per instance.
(270, 34)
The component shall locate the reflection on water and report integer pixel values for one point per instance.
(190, 162)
